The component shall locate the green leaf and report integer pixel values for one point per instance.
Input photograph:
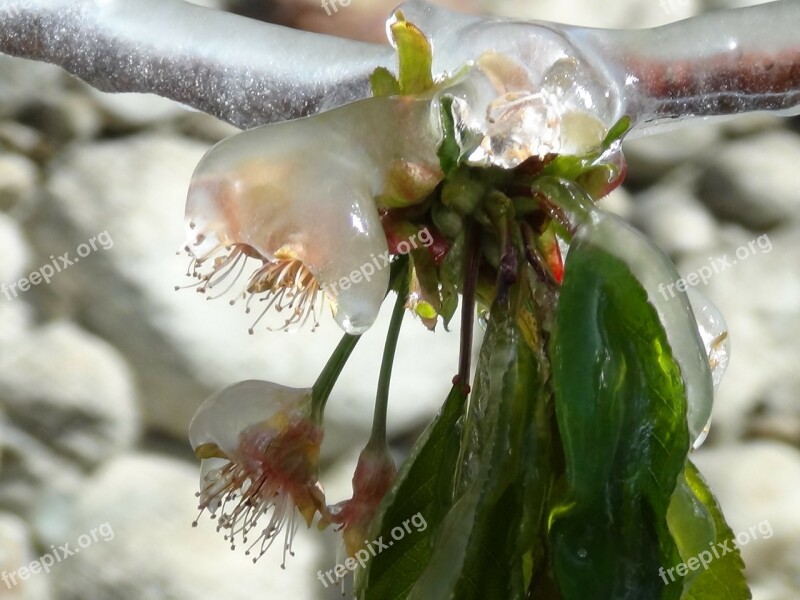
(451, 271)
(621, 410)
(493, 538)
(422, 486)
(618, 129)
(487, 471)
(509, 538)
(449, 151)
(691, 526)
(414, 54)
(384, 83)
(723, 575)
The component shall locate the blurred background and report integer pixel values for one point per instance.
(102, 368)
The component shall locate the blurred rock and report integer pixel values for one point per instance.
(758, 292)
(23, 81)
(134, 110)
(66, 404)
(15, 255)
(620, 202)
(15, 321)
(71, 391)
(18, 179)
(774, 590)
(763, 494)
(673, 217)
(652, 156)
(204, 127)
(24, 140)
(182, 347)
(755, 181)
(71, 116)
(751, 123)
(777, 413)
(16, 552)
(32, 475)
(145, 504)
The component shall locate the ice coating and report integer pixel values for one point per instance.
(226, 414)
(719, 63)
(526, 117)
(714, 332)
(243, 71)
(545, 95)
(307, 187)
(653, 268)
(251, 73)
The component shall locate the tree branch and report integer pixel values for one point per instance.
(250, 73)
(245, 72)
(720, 63)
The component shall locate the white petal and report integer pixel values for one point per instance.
(308, 186)
(224, 415)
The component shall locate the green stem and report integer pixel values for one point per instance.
(378, 436)
(323, 386)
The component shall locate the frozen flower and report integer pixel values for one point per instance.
(260, 450)
(374, 475)
(295, 199)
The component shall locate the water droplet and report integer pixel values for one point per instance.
(714, 333)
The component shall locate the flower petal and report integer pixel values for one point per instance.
(222, 418)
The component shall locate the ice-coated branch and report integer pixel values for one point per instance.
(719, 63)
(716, 64)
(240, 70)
(251, 73)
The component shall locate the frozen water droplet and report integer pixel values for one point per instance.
(701, 437)
(520, 125)
(714, 333)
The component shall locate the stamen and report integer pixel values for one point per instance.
(283, 282)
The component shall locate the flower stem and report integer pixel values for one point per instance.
(378, 437)
(323, 386)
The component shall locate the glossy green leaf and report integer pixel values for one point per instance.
(449, 150)
(485, 476)
(494, 536)
(422, 486)
(720, 573)
(621, 410)
(617, 131)
(414, 54)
